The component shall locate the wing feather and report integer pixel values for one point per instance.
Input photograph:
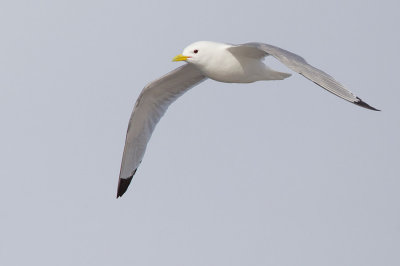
(319, 77)
(151, 105)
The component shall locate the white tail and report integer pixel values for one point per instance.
(275, 75)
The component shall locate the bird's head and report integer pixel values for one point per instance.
(198, 53)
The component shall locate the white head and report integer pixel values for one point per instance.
(199, 53)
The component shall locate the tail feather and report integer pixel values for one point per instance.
(276, 75)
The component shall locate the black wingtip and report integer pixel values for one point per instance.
(365, 105)
(123, 185)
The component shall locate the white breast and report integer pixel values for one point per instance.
(223, 66)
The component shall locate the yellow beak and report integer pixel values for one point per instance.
(180, 57)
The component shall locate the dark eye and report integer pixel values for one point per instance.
(196, 51)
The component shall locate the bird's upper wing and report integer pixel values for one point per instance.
(151, 105)
(299, 65)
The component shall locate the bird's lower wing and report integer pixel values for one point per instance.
(299, 65)
(151, 105)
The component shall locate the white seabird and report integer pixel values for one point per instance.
(218, 61)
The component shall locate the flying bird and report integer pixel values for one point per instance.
(221, 62)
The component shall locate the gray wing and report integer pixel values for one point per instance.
(299, 65)
(151, 105)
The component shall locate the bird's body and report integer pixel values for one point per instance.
(220, 62)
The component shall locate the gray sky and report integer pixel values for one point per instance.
(269, 173)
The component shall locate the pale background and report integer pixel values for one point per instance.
(270, 173)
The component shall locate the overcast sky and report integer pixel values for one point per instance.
(270, 173)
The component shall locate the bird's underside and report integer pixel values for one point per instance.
(156, 97)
